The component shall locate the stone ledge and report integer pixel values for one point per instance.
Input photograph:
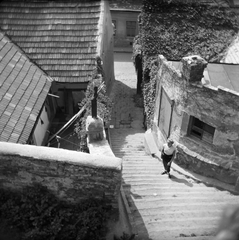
(60, 155)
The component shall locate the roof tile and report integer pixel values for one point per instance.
(22, 93)
(61, 31)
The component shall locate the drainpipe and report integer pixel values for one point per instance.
(171, 115)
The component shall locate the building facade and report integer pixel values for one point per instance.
(64, 43)
(125, 24)
(194, 109)
(125, 21)
(27, 105)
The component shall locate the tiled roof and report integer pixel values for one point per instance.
(225, 75)
(60, 36)
(23, 90)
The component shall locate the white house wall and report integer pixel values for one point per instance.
(105, 47)
(41, 128)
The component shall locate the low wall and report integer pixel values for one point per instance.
(196, 163)
(70, 175)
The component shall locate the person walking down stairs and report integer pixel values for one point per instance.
(167, 155)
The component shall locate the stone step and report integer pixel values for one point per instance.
(180, 222)
(162, 208)
(143, 157)
(173, 190)
(177, 208)
(188, 233)
(127, 144)
(173, 193)
(160, 180)
(165, 205)
(174, 200)
(138, 138)
(197, 194)
(141, 166)
(140, 161)
(183, 197)
(128, 149)
(146, 174)
(172, 229)
(176, 213)
(133, 154)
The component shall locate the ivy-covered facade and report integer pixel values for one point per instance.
(175, 30)
(175, 108)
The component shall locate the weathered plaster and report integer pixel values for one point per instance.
(71, 175)
(218, 107)
(105, 45)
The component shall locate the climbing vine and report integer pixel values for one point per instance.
(149, 88)
(176, 29)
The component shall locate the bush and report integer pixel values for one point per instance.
(38, 214)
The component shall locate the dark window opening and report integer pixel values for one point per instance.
(131, 28)
(201, 130)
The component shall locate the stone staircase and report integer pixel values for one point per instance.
(161, 208)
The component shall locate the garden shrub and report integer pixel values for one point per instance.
(38, 214)
(104, 104)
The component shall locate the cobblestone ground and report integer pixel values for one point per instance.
(160, 208)
(125, 113)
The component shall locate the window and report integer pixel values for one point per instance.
(114, 26)
(201, 130)
(130, 28)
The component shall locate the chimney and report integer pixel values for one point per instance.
(193, 68)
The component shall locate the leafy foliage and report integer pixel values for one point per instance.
(176, 29)
(104, 106)
(38, 214)
(149, 89)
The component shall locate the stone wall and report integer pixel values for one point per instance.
(71, 175)
(196, 163)
(218, 107)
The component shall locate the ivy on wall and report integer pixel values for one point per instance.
(149, 88)
(104, 105)
(176, 29)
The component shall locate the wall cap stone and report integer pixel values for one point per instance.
(63, 155)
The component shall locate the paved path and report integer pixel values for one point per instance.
(161, 208)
